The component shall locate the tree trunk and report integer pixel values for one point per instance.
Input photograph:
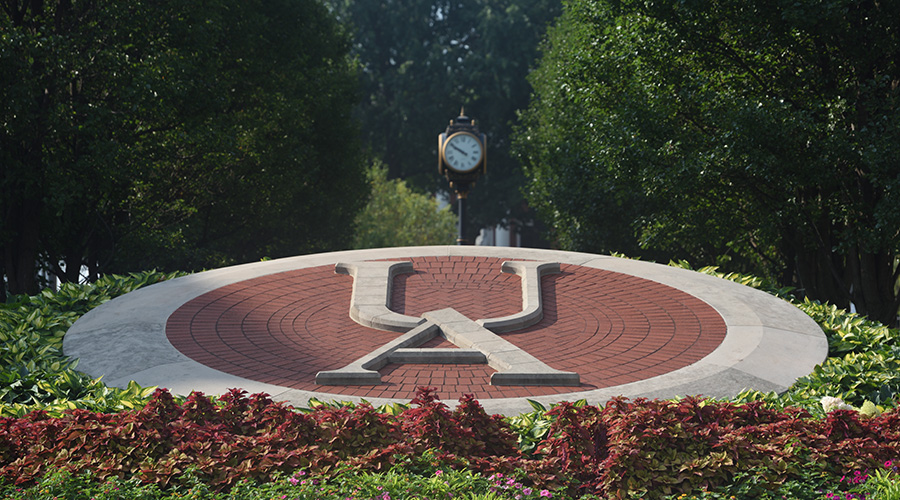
(865, 280)
(21, 252)
(873, 276)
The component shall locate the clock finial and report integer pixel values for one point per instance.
(462, 119)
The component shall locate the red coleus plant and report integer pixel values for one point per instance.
(651, 447)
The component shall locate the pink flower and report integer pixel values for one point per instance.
(438, 472)
(545, 493)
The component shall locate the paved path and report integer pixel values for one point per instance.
(625, 327)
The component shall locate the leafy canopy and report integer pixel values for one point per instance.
(172, 135)
(764, 135)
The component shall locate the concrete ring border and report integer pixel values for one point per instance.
(769, 343)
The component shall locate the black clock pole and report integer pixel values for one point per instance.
(461, 226)
(462, 158)
(461, 196)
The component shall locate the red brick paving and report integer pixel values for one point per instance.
(610, 328)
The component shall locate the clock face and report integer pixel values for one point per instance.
(462, 152)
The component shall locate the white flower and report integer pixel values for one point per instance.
(830, 404)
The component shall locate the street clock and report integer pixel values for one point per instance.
(462, 155)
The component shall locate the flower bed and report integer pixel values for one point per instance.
(651, 448)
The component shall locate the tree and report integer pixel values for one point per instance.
(422, 60)
(764, 134)
(173, 135)
(398, 216)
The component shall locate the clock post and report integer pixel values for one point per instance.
(462, 157)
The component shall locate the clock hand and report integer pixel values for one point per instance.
(454, 146)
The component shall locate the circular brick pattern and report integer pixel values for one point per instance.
(610, 328)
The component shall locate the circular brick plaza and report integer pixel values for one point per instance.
(624, 327)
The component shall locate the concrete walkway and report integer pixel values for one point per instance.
(596, 326)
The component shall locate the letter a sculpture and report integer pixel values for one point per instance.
(478, 341)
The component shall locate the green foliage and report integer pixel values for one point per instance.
(532, 427)
(389, 408)
(397, 216)
(855, 378)
(394, 484)
(34, 372)
(752, 485)
(762, 134)
(848, 332)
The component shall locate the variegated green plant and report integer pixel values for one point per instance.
(35, 374)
